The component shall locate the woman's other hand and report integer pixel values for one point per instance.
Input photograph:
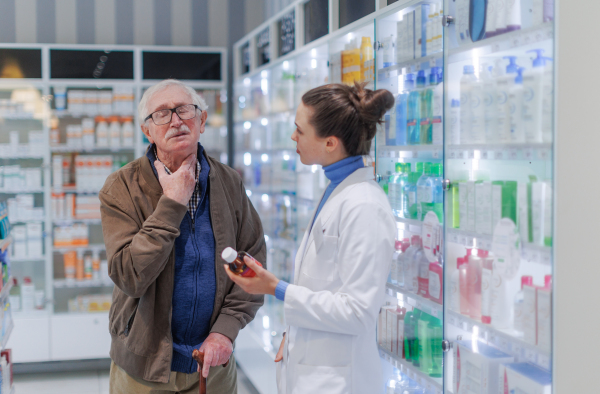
(279, 355)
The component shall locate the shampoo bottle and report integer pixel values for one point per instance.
(413, 118)
(515, 100)
(466, 82)
(504, 81)
(518, 308)
(426, 96)
(489, 103)
(454, 126)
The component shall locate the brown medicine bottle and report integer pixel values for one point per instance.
(236, 262)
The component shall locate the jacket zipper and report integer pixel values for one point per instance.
(130, 321)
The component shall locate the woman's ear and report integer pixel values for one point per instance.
(331, 144)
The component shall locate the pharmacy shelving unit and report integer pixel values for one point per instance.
(54, 89)
(522, 160)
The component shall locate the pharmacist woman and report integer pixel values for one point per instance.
(343, 261)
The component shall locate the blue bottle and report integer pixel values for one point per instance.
(414, 117)
(423, 192)
(402, 111)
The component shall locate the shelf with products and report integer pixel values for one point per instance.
(67, 149)
(528, 152)
(416, 301)
(505, 340)
(72, 283)
(503, 42)
(27, 259)
(69, 222)
(92, 247)
(431, 385)
(21, 191)
(412, 65)
(529, 252)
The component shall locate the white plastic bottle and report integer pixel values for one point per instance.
(513, 15)
(489, 103)
(518, 308)
(27, 295)
(490, 18)
(515, 102)
(501, 16)
(534, 85)
(394, 269)
(504, 81)
(438, 109)
(476, 112)
(454, 126)
(114, 133)
(411, 272)
(465, 107)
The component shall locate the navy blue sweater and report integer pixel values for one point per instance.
(195, 278)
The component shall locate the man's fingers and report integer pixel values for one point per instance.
(208, 357)
(159, 169)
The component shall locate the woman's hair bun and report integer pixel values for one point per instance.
(350, 113)
(373, 104)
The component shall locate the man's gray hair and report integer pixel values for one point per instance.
(143, 110)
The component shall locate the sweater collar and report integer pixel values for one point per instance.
(338, 171)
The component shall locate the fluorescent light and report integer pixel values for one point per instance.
(247, 158)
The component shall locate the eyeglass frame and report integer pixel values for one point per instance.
(173, 110)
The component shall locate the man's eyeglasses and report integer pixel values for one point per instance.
(164, 116)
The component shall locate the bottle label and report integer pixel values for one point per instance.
(434, 285)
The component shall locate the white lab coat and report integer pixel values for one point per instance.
(339, 286)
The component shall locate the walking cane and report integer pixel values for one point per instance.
(199, 357)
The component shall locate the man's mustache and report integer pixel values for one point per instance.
(177, 130)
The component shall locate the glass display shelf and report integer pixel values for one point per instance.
(432, 385)
(92, 247)
(416, 301)
(26, 259)
(72, 283)
(67, 222)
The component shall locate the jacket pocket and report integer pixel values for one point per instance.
(130, 321)
(323, 266)
(319, 379)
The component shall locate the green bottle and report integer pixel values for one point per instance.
(409, 333)
(414, 341)
(424, 340)
(436, 335)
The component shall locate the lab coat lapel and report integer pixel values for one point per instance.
(360, 175)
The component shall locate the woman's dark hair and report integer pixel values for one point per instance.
(350, 113)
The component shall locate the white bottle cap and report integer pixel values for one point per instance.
(229, 254)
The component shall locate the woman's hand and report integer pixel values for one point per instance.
(279, 355)
(263, 283)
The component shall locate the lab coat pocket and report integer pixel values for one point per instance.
(323, 266)
(323, 380)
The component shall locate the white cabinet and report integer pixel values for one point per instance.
(79, 336)
(30, 339)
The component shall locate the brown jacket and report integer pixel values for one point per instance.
(140, 226)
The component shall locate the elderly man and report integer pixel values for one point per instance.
(166, 218)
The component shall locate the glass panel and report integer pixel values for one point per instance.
(282, 189)
(353, 10)
(498, 159)
(182, 65)
(316, 19)
(82, 64)
(409, 155)
(20, 63)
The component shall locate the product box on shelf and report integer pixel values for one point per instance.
(524, 378)
(530, 314)
(544, 318)
(476, 367)
(90, 303)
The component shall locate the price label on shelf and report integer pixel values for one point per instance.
(415, 154)
(496, 48)
(528, 153)
(546, 258)
(525, 254)
(452, 154)
(498, 155)
(432, 62)
(454, 238)
(428, 386)
(484, 154)
(543, 154)
(513, 154)
(452, 320)
(460, 155)
(471, 154)
(516, 42)
(436, 154)
(390, 292)
(531, 356)
(544, 361)
(392, 154)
